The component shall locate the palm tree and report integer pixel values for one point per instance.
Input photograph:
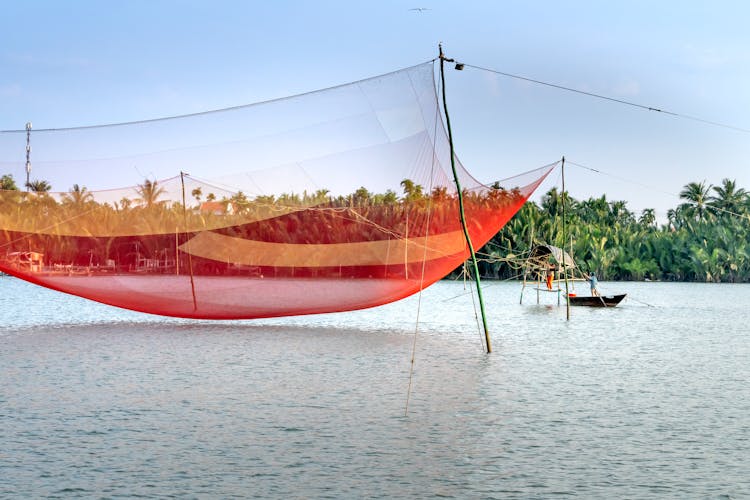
(361, 197)
(552, 203)
(412, 191)
(149, 192)
(78, 195)
(197, 193)
(321, 196)
(240, 202)
(39, 186)
(696, 193)
(440, 193)
(620, 213)
(729, 198)
(648, 218)
(125, 203)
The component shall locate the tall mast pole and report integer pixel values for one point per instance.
(28, 153)
(443, 59)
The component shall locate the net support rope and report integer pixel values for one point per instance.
(421, 279)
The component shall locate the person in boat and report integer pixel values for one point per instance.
(593, 282)
(550, 277)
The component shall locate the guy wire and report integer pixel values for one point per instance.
(612, 99)
(421, 279)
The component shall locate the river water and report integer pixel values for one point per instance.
(647, 400)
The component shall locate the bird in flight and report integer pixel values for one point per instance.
(420, 9)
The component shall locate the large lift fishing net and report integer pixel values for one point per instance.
(329, 201)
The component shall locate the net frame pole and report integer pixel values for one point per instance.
(462, 215)
(187, 242)
(28, 155)
(565, 270)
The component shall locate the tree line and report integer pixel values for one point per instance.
(705, 238)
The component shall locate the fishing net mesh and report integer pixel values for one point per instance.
(329, 201)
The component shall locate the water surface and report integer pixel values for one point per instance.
(646, 400)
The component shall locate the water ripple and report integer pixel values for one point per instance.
(635, 402)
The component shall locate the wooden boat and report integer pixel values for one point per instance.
(544, 259)
(596, 301)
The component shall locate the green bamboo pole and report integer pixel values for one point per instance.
(461, 202)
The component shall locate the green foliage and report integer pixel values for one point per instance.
(705, 238)
(7, 183)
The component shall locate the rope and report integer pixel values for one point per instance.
(421, 278)
(640, 302)
(213, 111)
(484, 287)
(629, 297)
(623, 179)
(612, 99)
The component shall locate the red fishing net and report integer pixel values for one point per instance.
(336, 200)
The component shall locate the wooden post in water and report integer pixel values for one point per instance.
(565, 270)
(461, 202)
(526, 268)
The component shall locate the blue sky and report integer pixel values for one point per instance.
(89, 62)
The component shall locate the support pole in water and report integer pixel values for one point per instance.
(187, 242)
(565, 269)
(526, 266)
(461, 202)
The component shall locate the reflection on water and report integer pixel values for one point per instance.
(646, 400)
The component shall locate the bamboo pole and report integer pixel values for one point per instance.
(565, 270)
(461, 202)
(526, 266)
(187, 243)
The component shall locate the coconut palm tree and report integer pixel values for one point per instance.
(78, 196)
(729, 199)
(411, 190)
(39, 186)
(197, 193)
(361, 197)
(149, 192)
(697, 195)
(648, 218)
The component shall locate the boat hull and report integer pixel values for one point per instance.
(597, 301)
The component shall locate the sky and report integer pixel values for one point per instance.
(85, 62)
